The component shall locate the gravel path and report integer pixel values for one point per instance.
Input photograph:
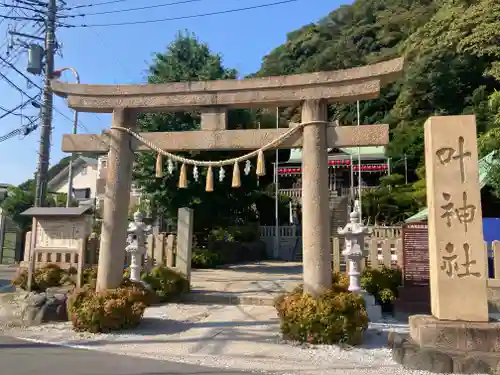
(235, 337)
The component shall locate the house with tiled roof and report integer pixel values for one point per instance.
(89, 182)
(84, 180)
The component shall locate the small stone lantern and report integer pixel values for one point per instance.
(355, 233)
(136, 240)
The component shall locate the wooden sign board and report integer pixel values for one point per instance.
(415, 254)
(61, 234)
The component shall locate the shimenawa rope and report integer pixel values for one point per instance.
(260, 170)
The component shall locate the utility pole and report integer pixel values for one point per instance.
(57, 73)
(276, 196)
(359, 167)
(46, 129)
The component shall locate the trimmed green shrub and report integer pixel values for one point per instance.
(89, 276)
(228, 252)
(220, 235)
(204, 258)
(47, 276)
(383, 284)
(341, 279)
(335, 317)
(112, 310)
(166, 283)
(244, 233)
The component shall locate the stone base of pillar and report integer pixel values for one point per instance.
(445, 346)
(374, 311)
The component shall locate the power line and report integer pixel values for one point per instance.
(8, 14)
(6, 79)
(32, 3)
(24, 131)
(228, 11)
(18, 18)
(16, 52)
(15, 7)
(20, 106)
(6, 41)
(19, 72)
(96, 4)
(131, 9)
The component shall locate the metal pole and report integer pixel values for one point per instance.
(46, 129)
(258, 179)
(406, 170)
(359, 169)
(276, 198)
(352, 181)
(75, 128)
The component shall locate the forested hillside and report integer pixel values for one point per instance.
(453, 53)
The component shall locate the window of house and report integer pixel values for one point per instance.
(81, 193)
(136, 192)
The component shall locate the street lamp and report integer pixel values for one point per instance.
(57, 74)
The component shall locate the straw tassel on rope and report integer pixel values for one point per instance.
(183, 177)
(261, 164)
(159, 166)
(210, 180)
(236, 176)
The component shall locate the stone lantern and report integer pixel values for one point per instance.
(136, 240)
(354, 237)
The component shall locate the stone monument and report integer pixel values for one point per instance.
(137, 232)
(457, 337)
(312, 91)
(354, 239)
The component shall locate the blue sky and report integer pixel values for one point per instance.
(121, 55)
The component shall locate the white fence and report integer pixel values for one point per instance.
(290, 239)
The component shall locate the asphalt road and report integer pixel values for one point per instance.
(6, 275)
(19, 357)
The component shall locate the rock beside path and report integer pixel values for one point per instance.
(45, 307)
(27, 309)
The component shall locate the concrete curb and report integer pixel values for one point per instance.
(220, 298)
(71, 346)
(7, 288)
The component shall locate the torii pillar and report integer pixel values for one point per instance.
(116, 201)
(316, 249)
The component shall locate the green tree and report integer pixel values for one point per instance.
(20, 198)
(452, 50)
(393, 201)
(188, 59)
(490, 142)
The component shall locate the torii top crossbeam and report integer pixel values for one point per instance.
(335, 86)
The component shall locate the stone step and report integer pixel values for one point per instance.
(222, 298)
(408, 353)
(412, 307)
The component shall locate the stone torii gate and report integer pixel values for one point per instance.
(213, 98)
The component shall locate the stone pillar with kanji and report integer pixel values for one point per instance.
(457, 255)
